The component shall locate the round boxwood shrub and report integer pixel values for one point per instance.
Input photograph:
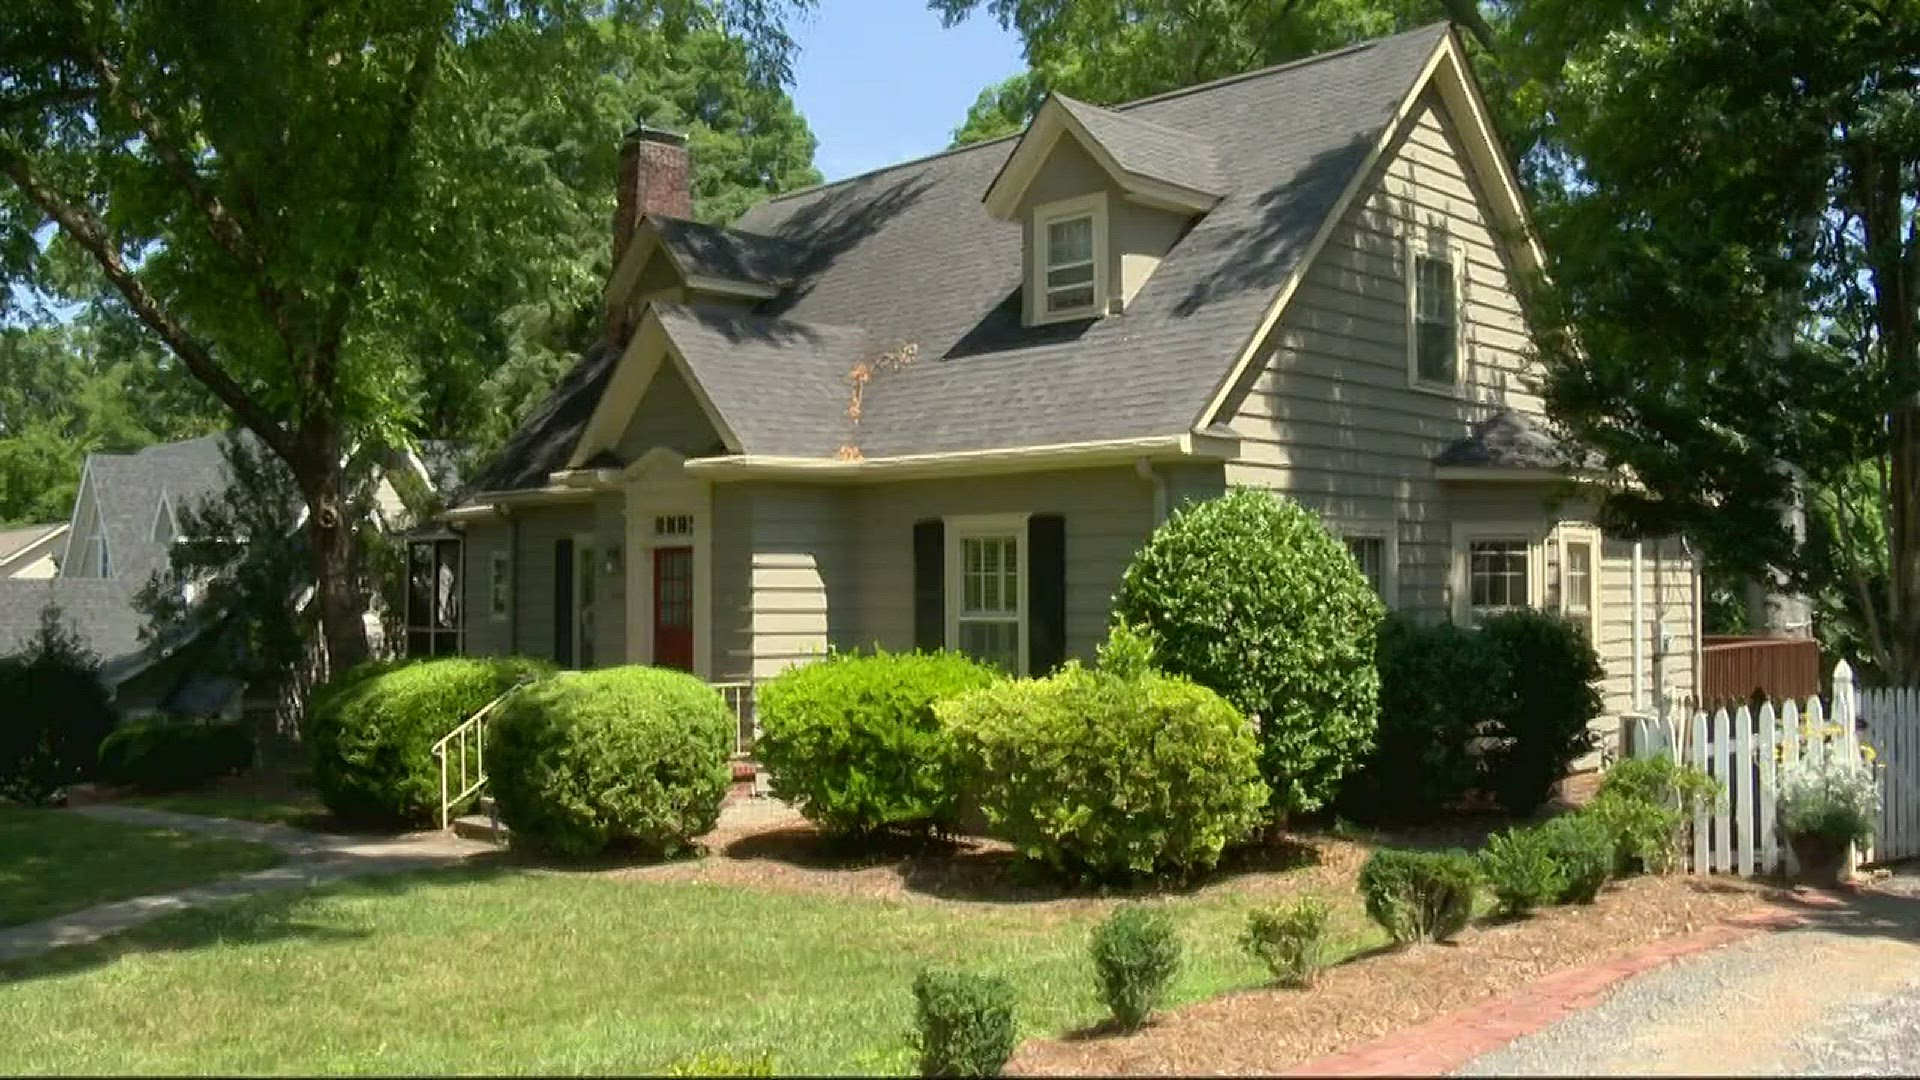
(1582, 849)
(1104, 776)
(1419, 895)
(1552, 699)
(171, 755)
(1248, 595)
(853, 740)
(371, 733)
(629, 759)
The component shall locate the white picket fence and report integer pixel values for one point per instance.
(1747, 749)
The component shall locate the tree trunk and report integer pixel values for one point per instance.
(343, 626)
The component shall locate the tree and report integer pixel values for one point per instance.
(1107, 52)
(1726, 192)
(57, 712)
(290, 197)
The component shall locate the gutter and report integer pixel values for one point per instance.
(963, 463)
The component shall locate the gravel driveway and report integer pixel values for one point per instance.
(1840, 997)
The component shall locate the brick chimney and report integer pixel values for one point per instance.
(653, 178)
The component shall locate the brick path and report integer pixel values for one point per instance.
(1449, 1042)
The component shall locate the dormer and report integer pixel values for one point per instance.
(1101, 197)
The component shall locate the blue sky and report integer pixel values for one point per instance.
(881, 81)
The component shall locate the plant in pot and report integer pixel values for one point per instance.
(1826, 806)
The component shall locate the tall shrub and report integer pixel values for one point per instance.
(1248, 595)
(629, 759)
(53, 712)
(1441, 688)
(371, 733)
(1552, 699)
(854, 742)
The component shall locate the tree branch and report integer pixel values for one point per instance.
(1876, 637)
(86, 229)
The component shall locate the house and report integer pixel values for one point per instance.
(32, 551)
(943, 403)
(126, 514)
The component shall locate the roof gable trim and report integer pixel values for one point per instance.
(1054, 121)
(649, 348)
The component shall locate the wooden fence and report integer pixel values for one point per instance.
(1747, 749)
(1735, 669)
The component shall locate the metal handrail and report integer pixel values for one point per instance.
(471, 731)
(739, 699)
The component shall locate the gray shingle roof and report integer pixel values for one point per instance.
(101, 609)
(1149, 149)
(127, 489)
(731, 254)
(14, 541)
(738, 359)
(1509, 440)
(909, 254)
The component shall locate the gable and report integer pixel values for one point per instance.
(669, 415)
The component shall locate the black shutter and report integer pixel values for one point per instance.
(563, 602)
(929, 584)
(1046, 593)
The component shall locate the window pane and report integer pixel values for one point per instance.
(1434, 280)
(1070, 299)
(992, 641)
(1579, 578)
(1435, 348)
(1371, 553)
(1070, 241)
(1070, 275)
(1497, 574)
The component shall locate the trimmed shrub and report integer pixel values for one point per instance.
(1136, 954)
(963, 1023)
(1441, 686)
(1248, 595)
(1419, 895)
(1552, 700)
(1292, 940)
(371, 733)
(1520, 871)
(1583, 851)
(1645, 805)
(170, 755)
(53, 712)
(628, 759)
(1102, 776)
(853, 740)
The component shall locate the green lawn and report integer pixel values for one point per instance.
(278, 797)
(516, 970)
(53, 861)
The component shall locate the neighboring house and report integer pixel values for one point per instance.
(126, 515)
(32, 551)
(942, 404)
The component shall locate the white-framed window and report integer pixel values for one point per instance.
(1497, 568)
(673, 525)
(1374, 546)
(1069, 259)
(1434, 321)
(1578, 585)
(987, 589)
(499, 586)
(433, 617)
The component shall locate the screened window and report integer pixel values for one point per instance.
(433, 598)
(989, 611)
(1069, 264)
(1435, 320)
(1496, 576)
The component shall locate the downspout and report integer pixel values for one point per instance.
(1639, 636)
(1699, 619)
(1145, 468)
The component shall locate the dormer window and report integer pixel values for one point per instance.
(1070, 258)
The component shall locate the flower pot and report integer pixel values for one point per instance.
(1822, 859)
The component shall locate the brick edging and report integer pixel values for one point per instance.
(1448, 1042)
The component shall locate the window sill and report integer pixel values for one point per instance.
(1437, 389)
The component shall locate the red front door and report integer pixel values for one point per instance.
(673, 607)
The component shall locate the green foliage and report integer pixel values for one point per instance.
(853, 740)
(963, 1023)
(1441, 688)
(1551, 701)
(628, 759)
(1106, 777)
(1292, 940)
(1136, 955)
(55, 712)
(1419, 895)
(1645, 805)
(171, 755)
(371, 733)
(720, 1063)
(1248, 595)
(1582, 850)
(1520, 870)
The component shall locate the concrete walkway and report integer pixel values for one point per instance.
(313, 859)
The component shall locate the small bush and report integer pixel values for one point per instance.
(1441, 688)
(1292, 941)
(1419, 895)
(853, 740)
(963, 1023)
(54, 714)
(628, 759)
(371, 733)
(1583, 851)
(1248, 594)
(1520, 871)
(1646, 805)
(1136, 954)
(1550, 704)
(721, 1063)
(171, 755)
(1103, 776)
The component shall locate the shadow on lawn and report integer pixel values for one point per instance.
(264, 919)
